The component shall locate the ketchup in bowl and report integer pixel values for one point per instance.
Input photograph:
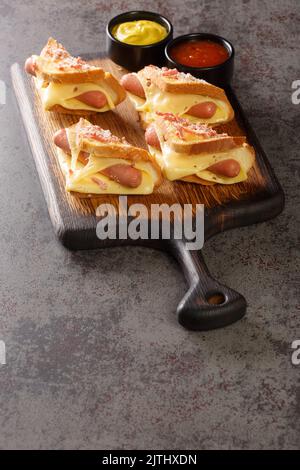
(199, 53)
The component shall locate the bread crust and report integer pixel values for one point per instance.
(204, 139)
(230, 115)
(109, 146)
(116, 86)
(184, 84)
(112, 150)
(193, 88)
(56, 64)
(70, 77)
(208, 146)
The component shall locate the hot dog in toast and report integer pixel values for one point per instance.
(96, 162)
(70, 85)
(196, 152)
(168, 90)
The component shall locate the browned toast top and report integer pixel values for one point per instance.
(173, 81)
(189, 138)
(55, 63)
(101, 142)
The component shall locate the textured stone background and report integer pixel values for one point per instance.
(95, 357)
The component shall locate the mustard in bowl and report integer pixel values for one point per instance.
(138, 38)
(139, 32)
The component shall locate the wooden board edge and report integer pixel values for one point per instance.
(254, 140)
(223, 219)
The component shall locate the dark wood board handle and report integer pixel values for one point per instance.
(207, 304)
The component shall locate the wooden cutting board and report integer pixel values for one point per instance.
(207, 303)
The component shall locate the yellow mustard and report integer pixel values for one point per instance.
(140, 32)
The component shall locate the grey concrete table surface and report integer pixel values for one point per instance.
(95, 357)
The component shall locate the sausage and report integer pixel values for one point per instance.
(132, 84)
(203, 110)
(60, 139)
(151, 137)
(95, 99)
(124, 174)
(30, 66)
(229, 168)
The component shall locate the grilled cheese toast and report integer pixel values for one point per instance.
(97, 162)
(197, 153)
(167, 90)
(70, 85)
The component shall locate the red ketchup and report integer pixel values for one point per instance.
(199, 53)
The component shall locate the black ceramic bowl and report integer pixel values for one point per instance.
(136, 57)
(219, 75)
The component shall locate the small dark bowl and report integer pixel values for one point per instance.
(136, 57)
(219, 75)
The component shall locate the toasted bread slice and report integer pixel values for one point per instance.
(188, 138)
(173, 81)
(101, 142)
(55, 64)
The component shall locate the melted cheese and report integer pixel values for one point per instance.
(209, 176)
(81, 180)
(137, 101)
(177, 103)
(71, 135)
(178, 165)
(64, 94)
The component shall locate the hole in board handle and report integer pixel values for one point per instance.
(217, 298)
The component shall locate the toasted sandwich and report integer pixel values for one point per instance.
(197, 153)
(167, 90)
(70, 85)
(94, 161)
